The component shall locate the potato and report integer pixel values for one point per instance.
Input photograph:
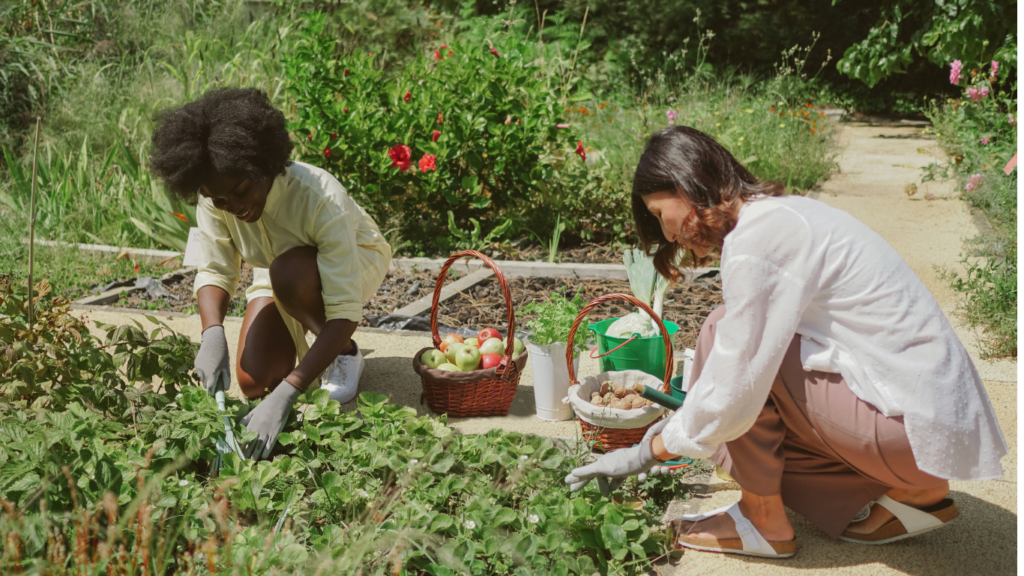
(619, 391)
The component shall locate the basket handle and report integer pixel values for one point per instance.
(617, 296)
(507, 363)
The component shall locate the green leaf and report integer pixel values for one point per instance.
(613, 535)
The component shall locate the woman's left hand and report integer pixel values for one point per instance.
(612, 469)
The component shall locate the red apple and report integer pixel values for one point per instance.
(488, 361)
(486, 334)
(448, 341)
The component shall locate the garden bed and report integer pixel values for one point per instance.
(480, 306)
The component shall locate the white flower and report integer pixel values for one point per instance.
(363, 494)
(470, 524)
(533, 518)
(413, 462)
(183, 483)
(524, 457)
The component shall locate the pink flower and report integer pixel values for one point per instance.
(671, 115)
(508, 120)
(983, 92)
(580, 151)
(1011, 120)
(973, 93)
(561, 126)
(427, 162)
(495, 52)
(995, 67)
(408, 96)
(401, 157)
(954, 73)
(985, 140)
(975, 181)
(435, 135)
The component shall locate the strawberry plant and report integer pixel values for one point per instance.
(105, 466)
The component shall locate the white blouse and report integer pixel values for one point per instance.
(798, 266)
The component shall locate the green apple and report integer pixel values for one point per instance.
(467, 359)
(433, 358)
(493, 346)
(453, 348)
(472, 342)
(517, 346)
(448, 367)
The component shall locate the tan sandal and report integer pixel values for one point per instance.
(908, 521)
(750, 542)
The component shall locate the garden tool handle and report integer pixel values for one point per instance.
(633, 300)
(507, 368)
(657, 397)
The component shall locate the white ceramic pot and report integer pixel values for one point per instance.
(551, 380)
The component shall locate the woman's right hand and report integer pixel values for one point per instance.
(213, 365)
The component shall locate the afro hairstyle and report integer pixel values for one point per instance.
(231, 131)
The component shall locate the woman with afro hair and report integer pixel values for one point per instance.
(316, 254)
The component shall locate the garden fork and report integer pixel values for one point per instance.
(227, 444)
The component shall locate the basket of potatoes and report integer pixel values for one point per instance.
(611, 415)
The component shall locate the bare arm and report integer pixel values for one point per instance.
(335, 338)
(213, 305)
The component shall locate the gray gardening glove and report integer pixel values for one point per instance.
(613, 468)
(268, 419)
(213, 365)
(649, 436)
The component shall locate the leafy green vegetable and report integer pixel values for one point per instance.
(554, 320)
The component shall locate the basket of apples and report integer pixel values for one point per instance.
(473, 376)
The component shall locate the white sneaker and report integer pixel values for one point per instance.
(342, 377)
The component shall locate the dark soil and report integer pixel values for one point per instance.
(483, 305)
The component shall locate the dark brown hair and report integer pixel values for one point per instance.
(696, 167)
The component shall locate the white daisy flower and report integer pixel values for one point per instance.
(183, 483)
(533, 518)
(470, 524)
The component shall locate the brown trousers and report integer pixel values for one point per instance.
(826, 451)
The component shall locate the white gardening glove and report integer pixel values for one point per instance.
(649, 436)
(612, 469)
(268, 419)
(212, 364)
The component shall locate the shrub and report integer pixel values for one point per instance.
(467, 128)
(979, 133)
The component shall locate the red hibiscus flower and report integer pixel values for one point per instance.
(327, 152)
(440, 118)
(408, 96)
(427, 162)
(579, 150)
(401, 157)
(435, 135)
(495, 52)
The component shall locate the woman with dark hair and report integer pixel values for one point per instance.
(316, 254)
(829, 380)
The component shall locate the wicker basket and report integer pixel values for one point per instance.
(607, 439)
(480, 392)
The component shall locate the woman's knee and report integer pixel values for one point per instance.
(295, 274)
